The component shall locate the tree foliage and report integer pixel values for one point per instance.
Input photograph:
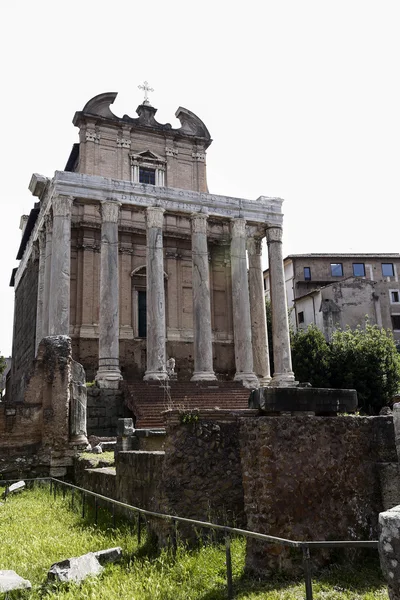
(365, 359)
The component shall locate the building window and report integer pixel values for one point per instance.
(387, 270)
(336, 269)
(394, 296)
(300, 317)
(142, 314)
(358, 269)
(307, 273)
(147, 176)
(396, 322)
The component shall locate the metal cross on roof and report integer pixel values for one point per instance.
(145, 87)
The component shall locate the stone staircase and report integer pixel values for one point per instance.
(147, 400)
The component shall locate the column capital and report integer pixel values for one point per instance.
(110, 211)
(274, 234)
(254, 246)
(238, 227)
(62, 206)
(199, 222)
(155, 216)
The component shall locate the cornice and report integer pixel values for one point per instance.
(264, 210)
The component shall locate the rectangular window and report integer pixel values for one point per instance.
(142, 314)
(358, 269)
(307, 273)
(336, 269)
(396, 322)
(394, 296)
(301, 317)
(147, 176)
(387, 270)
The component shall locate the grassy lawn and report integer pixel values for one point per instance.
(36, 531)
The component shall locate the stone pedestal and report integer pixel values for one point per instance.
(109, 374)
(283, 374)
(156, 356)
(203, 359)
(257, 313)
(241, 307)
(78, 405)
(59, 294)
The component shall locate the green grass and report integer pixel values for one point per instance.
(36, 531)
(106, 459)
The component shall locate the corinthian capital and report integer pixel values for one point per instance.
(199, 222)
(155, 216)
(62, 206)
(274, 234)
(239, 227)
(110, 211)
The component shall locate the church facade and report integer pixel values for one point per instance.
(128, 253)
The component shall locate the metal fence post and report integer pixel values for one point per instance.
(51, 486)
(307, 572)
(228, 555)
(83, 504)
(173, 538)
(113, 515)
(55, 490)
(95, 510)
(72, 499)
(139, 529)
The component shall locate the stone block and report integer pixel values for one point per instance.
(110, 555)
(75, 569)
(16, 487)
(9, 581)
(389, 550)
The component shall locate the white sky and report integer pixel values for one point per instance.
(301, 98)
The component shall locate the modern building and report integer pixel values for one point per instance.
(336, 290)
(128, 253)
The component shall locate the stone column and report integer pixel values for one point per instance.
(40, 292)
(47, 274)
(283, 375)
(258, 316)
(241, 307)
(59, 293)
(156, 357)
(203, 358)
(109, 374)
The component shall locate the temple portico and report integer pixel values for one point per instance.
(140, 264)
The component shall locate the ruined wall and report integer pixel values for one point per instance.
(104, 408)
(23, 351)
(41, 434)
(312, 478)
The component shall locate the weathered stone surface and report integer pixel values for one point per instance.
(110, 555)
(389, 550)
(109, 374)
(241, 306)
(203, 358)
(258, 316)
(9, 580)
(283, 375)
(75, 569)
(321, 401)
(311, 478)
(156, 355)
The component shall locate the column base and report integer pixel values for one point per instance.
(108, 379)
(155, 376)
(203, 376)
(283, 380)
(248, 380)
(79, 440)
(264, 381)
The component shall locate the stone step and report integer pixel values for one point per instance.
(148, 400)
